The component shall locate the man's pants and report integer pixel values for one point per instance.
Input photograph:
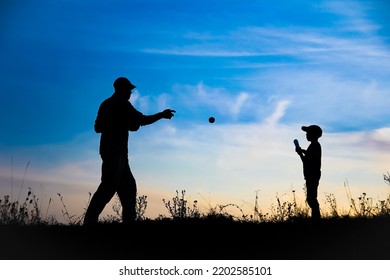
(116, 178)
(311, 198)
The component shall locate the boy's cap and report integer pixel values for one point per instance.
(314, 129)
(123, 83)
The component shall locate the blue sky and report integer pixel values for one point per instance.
(262, 70)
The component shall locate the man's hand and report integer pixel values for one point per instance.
(167, 113)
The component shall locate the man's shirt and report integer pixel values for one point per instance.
(116, 117)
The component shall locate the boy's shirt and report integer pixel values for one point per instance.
(312, 161)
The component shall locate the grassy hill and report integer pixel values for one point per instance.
(288, 233)
(201, 238)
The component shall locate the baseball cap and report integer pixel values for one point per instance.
(123, 83)
(314, 129)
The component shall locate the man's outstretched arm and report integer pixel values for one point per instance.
(149, 119)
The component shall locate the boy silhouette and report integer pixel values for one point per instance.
(311, 159)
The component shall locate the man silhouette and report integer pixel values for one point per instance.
(311, 159)
(115, 118)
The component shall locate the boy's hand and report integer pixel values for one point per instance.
(299, 150)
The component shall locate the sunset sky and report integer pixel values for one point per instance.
(261, 68)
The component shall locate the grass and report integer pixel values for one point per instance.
(286, 232)
(214, 237)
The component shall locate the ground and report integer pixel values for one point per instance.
(204, 239)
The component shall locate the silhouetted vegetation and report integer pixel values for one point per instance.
(360, 232)
(28, 211)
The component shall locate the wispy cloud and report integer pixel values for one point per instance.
(352, 40)
(231, 105)
(203, 52)
(353, 15)
(325, 97)
(278, 113)
(308, 44)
